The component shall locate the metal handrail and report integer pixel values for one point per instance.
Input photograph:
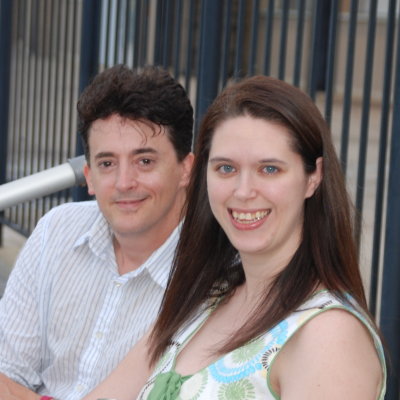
(43, 183)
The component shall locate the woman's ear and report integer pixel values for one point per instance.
(315, 178)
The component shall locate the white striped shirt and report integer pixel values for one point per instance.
(67, 317)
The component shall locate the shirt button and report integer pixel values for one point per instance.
(117, 284)
(79, 388)
(99, 335)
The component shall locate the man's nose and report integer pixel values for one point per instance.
(126, 178)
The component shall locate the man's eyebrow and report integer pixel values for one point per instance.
(142, 150)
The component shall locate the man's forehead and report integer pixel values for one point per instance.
(125, 126)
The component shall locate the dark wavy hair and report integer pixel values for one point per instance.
(151, 95)
(206, 260)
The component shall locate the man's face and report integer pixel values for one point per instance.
(138, 182)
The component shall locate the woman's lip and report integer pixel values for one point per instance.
(246, 219)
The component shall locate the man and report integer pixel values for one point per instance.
(90, 279)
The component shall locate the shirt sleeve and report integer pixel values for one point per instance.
(20, 330)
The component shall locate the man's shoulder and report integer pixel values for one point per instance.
(74, 213)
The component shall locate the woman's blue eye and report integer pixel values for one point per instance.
(226, 169)
(270, 169)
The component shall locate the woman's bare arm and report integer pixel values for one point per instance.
(126, 381)
(10, 389)
(331, 357)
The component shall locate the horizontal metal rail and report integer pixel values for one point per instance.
(43, 183)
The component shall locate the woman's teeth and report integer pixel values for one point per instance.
(248, 218)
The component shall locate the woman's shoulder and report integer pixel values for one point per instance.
(333, 341)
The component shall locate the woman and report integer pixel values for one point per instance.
(265, 300)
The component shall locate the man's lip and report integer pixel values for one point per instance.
(129, 201)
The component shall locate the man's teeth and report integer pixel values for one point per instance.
(248, 218)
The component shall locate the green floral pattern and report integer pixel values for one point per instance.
(246, 353)
(240, 390)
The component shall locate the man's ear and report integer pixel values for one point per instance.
(88, 176)
(187, 165)
(315, 178)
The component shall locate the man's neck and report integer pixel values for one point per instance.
(132, 252)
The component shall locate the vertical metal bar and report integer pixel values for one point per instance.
(369, 60)
(128, 35)
(108, 32)
(177, 34)
(68, 99)
(144, 36)
(59, 96)
(331, 60)
(65, 65)
(18, 117)
(76, 29)
(103, 50)
(226, 42)
(40, 99)
(116, 38)
(32, 81)
(158, 45)
(348, 85)
(318, 50)
(168, 17)
(283, 43)
(380, 180)
(68, 139)
(137, 38)
(89, 64)
(121, 29)
(237, 71)
(189, 49)
(301, 6)
(255, 17)
(209, 57)
(112, 33)
(5, 51)
(52, 78)
(390, 310)
(25, 102)
(139, 21)
(269, 37)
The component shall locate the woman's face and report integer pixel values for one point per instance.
(257, 187)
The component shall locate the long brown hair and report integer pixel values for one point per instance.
(206, 260)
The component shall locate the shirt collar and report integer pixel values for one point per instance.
(160, 261)
(98, 237)
(158, 265)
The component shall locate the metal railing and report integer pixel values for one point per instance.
(43, 183)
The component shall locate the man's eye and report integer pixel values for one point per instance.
(105, 164)
(269, 169)
(225, 169)
(146, 161)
